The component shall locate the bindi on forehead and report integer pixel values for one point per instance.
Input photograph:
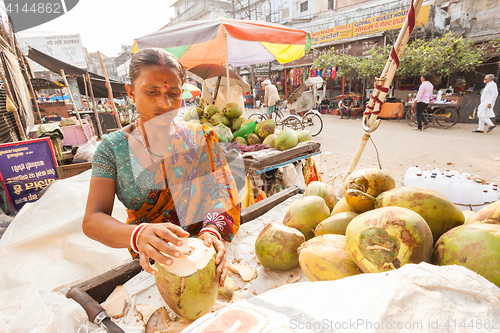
(165, 84)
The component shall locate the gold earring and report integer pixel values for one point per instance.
(132, 100)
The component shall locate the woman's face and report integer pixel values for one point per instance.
(156, 91)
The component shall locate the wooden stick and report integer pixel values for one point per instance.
(35, 94)
(74, 104)
(370, 123)
(110, 91)
(94, 106)
(16, 114)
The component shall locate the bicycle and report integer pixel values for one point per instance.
(444, 115)
(291, 121)
(311, 118)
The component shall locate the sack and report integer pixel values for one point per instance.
(86, 151)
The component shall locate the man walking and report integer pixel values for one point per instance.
(271, 97)
(422, 100)
(485, 108)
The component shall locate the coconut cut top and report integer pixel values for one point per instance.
(194, 256)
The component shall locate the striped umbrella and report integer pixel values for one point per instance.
(229, 42)
(190, 91)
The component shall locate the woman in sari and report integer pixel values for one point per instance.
(171, 176)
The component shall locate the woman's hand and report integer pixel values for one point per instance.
(152, 242)
(220, 260)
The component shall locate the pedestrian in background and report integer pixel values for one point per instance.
(422, 100)
(271, 97)
(346, 105)
(485, 109)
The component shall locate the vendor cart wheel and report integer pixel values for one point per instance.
(258, 116)
(446, 116)
(293, 122)
(411, 118)
(312, 122)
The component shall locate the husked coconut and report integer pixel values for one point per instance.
(190, 285)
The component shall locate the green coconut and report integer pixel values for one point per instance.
(475, 246)
(236, 123)
(210, 110)
(232, 110)
(241, 141)
(324, 190)
(219, 118)
(286, 139)
(440, 212)
(276, 246)
(190, 285)
(326, 258)
(335, 224)
(305, 214)
(488, 214)
(253, 139)
(387, 238)
(264, 128)
(270, 140)
(304, 135)
(197, 112)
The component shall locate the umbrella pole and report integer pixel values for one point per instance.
(86, 90)
(217, 89)
(74, 104)
(227, 68)
(110, 91)
(94, 106)
(370, 122)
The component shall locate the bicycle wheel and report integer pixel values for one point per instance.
(257, 116)
(411, 118)
(446, 116)
(293, 122)
(312, 122)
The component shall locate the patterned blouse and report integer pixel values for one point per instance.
(193, 187)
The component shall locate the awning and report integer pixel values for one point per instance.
(39, 84)
(98, 82)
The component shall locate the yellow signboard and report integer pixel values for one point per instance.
(340, 32)
(371, 25)
(388, 22)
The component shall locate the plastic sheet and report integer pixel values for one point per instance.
(44, 247)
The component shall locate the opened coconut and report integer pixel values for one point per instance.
(326, 258)
(363, 185)
(387, 238)
(276, 246)
(475, 246)
(190, 285)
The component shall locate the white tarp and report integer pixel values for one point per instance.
(45, 248)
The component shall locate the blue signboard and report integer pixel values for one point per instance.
(26, 168)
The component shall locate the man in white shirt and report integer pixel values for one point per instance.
(485, 108)
(271, 96)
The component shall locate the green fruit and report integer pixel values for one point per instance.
(438, 211)
(475, 246)
(324, 190)
(210, 110)
(197, 112)
(236, 123)
(305, 214)
(326, 258)
(264, 128)
(488, 214)
(335, 224)
(187, 116)
(239, 140)
(387, 238)
(276, 246)
(304, 136)
(270, 140)
(253, 139)
(190, 285)
(286, 139)
(219, 118)
(232, 110)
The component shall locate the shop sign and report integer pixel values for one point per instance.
(370, 25)
(389, 21)
(26, 168)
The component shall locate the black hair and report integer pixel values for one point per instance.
(153, 57)
(426, 76)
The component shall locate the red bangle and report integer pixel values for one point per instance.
(212, 231)
(133, 237)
